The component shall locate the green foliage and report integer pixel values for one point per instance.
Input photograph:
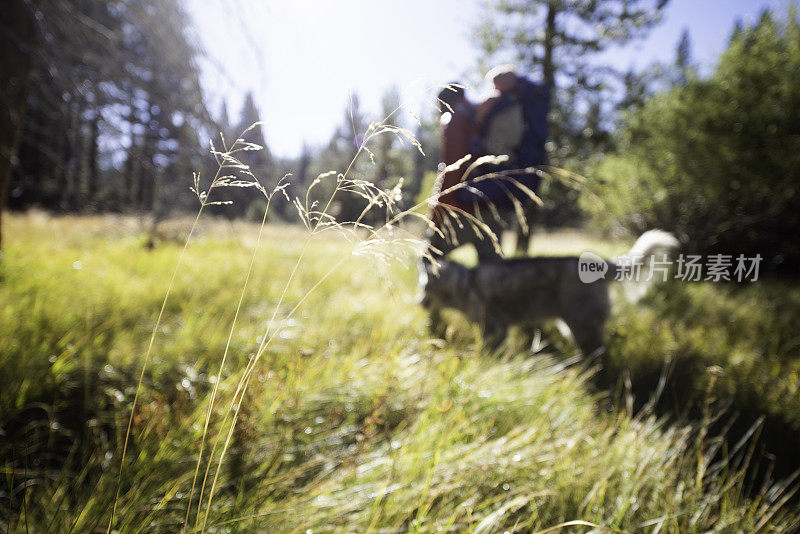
(716, 160)
(354, 421)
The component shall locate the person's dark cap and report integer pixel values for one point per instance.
(450, 94)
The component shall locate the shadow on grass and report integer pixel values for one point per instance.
(724, 356)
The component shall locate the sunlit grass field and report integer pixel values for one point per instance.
(355, 419)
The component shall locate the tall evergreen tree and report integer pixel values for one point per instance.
(297, 183)
(425, 167)
(223, 125)
(684, 68)
(558, 41)
(114, 107)
(260, 161)
(339, 156)
(385, 158)
(246, 201)
(17, 40)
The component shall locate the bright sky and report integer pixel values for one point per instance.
(302, 57)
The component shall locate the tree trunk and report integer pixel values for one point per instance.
(144, 182)
(125, 197)
(79, 140)
(91, 177)
(17, 37)
(149, 170)
(67, 170)
(139, 188)
(548, 66)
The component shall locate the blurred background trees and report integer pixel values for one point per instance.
(115, 112)
(716, 159)
(17, 39)
(103, 110)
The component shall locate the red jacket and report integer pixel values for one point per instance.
(456, 137)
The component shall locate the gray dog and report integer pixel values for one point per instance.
(502, 293)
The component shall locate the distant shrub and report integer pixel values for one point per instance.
(717, 160)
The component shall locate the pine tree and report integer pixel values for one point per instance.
(684, 68)
(114, 107)
(556, 40)
(260, 161)
(339, 156)
(223, 124)
(17, 36)
(246, 201)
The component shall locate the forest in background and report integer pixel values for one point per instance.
(110, 116)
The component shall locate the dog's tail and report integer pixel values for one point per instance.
(652, 242)
(652, 249)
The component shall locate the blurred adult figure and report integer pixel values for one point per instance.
(514, 123)
(510, 123)
(459, 143)
(533, 100)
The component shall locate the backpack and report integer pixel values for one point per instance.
(501, 130)
(535, 100)
(503, 127)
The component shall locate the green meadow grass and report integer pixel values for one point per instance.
(354, 420)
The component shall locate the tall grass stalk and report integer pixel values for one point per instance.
(317, 221)
(203, 203)
(225, 161)
(227, 343)
(314, 222)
